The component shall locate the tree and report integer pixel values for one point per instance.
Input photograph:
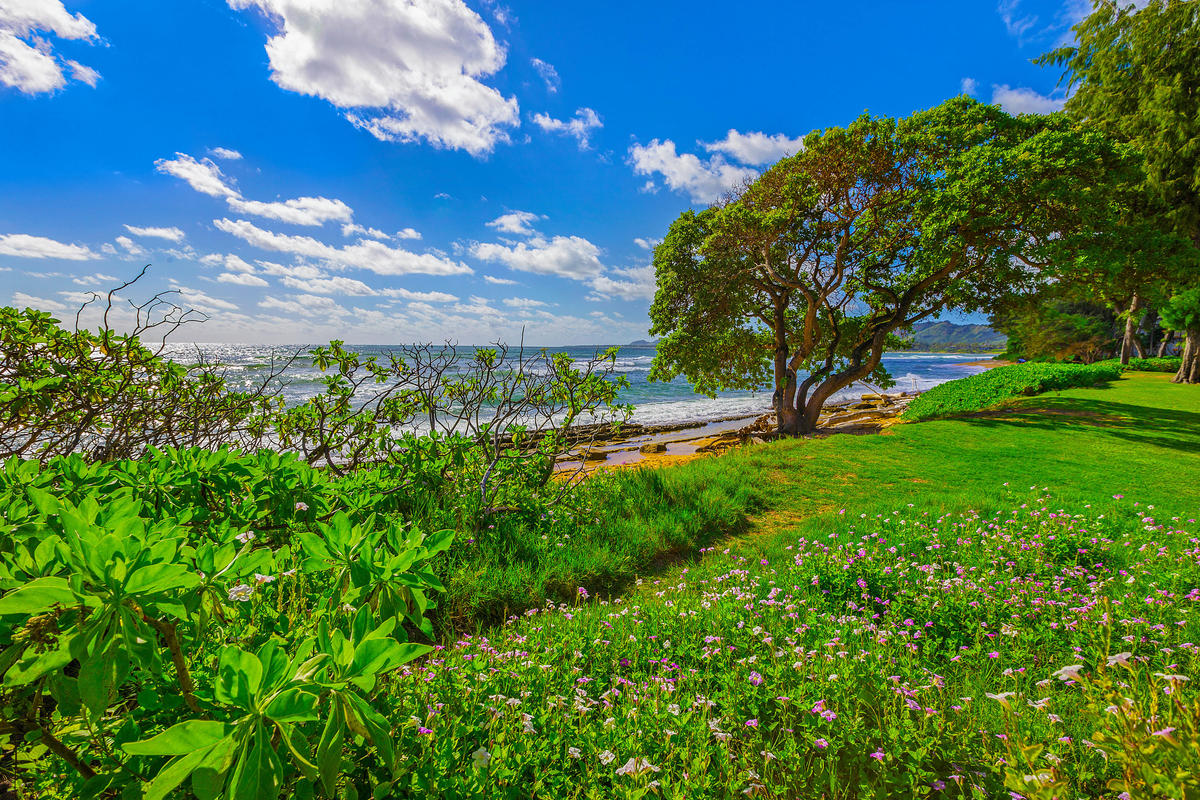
(1135, 73)
(1183, 314)
(807, 273)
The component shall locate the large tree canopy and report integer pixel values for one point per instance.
(1135, 74)
(805, 274)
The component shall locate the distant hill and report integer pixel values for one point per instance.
(642, 343)
(947, 336)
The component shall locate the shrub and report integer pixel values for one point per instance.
(1169, 364)
(989, 388)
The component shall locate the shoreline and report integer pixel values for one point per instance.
(669, 444)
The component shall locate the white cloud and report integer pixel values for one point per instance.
(548, 73)
(755, 148)
(23, 245)
(705, 182)
(580, 126)
(200, 301)
(22, 300)
(523, 302)
(28, 62)
(204, 176)
(226, 154)
(170, 234)
(566, 256)
(633, 283)
(94, 280)
(241, 279)
(408, 233)
(130, 246)
(367, 254)
(516, 222)
(335, 285)
(647, 244)
(403, 71)
(1015, 22)
(352, 228)
(300, 211)
(969, 86)
(1025, 101)
(499, 281)
(424, 297)
(305, 306)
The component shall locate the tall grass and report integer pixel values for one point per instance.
(990, 388)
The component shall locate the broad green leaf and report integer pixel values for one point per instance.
(173, 774)
(37, 596)
(182, 738)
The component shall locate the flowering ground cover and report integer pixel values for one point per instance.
(900, 655)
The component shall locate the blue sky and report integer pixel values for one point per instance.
(399, 170)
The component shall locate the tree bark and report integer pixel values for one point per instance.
(1189, 370)
(1164, 344)
(1131, 324)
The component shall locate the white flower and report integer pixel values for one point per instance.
(1120, 658)
(636, 766)
(1001, 698)
(607, 757)
(1069, 673)
(573, 752)
(673, 709)
(245, 537)
(304, 507)
(480, 758)
(260, 578)
(241, 593)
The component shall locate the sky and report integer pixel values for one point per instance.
(385, 171)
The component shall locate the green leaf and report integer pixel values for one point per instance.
(329, 749)
(37, 596)
(180, 739)
(293, 705)
(238, 676)
(209, 776)
(173, 774)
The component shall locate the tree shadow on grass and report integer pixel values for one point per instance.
(1148, 426)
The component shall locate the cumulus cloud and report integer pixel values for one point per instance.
(22, 300)
(226, 154)
(334, 285)
(632, 283)
(423, 297)
(201, 301)
(755, 148)
(304, 306)
(366, 254)
(969, 86)
(566, 256)
(241, 279)
(647, 244)
(300, 211)
(96, 279)
(403, 71)
(703, 181)
(23, 245)
(1025, 101)
(548, 73)
(206, 177)
(580, 126)
(130, 246)
(516, 222)
(170, 234)
(523, 302)
(28, 62)
(492, 279)
(353, 228)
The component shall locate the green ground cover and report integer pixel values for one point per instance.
(854, 590)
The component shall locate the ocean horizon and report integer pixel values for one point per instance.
(655, 403)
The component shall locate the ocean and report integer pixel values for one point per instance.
(656, 403)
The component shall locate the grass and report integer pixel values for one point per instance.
(880, 629)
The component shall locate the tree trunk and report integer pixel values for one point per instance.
(1164, 344)
(1189, 370)
(1131, 324)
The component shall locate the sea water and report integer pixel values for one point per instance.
(655, 402)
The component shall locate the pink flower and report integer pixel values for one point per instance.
(993, 654)
(752, 723)
(878, 754)
(821, 744)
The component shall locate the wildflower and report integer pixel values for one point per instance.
(752, 723)
(573, 752)
(245, 537)
(673, 709)
(302, 506)
(423, 731)
(260, 578)
(582, 592)
(607, 757)
(756, 679)
(878, 755)
(1069, 673)
(1120, 658)
(636, 766)
(287, 573)
(349, 609)
(241, 593)
(1163, 732)
(1002, 698)
(480, 758)
(821, 744)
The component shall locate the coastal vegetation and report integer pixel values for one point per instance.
(394, 588)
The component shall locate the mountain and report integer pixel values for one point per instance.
(642, 343)
(948, 336)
